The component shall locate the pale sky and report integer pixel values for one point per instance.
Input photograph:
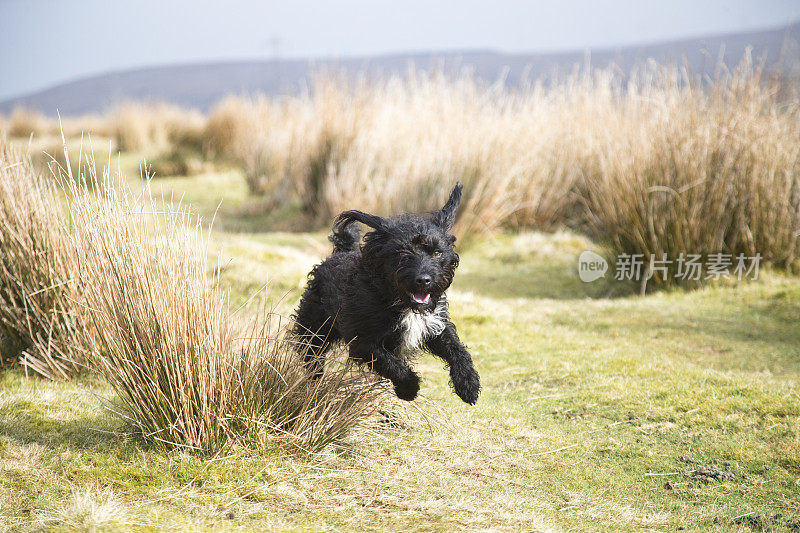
(45, 42)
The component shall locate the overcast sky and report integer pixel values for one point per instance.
(45, 42)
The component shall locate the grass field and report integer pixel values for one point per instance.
(601, 410)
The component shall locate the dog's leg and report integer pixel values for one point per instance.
(465, 380)
(315, 333)
(314, 345)
(383, 363)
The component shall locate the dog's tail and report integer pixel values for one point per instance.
(345, 236)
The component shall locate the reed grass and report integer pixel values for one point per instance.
(660, 162)
(118, 282)
(153, 128)
(24, 122)
(38, 307)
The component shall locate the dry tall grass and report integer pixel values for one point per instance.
(38, 306)
(120, 280)
(155, 127)
(284, 146)
(24, 122)
(714, 170)
(185, 372)
(96, 125)
(657, 163)
(393, 145)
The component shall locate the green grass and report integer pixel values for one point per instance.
(601, 410)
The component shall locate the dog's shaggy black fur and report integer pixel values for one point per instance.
(386, 298)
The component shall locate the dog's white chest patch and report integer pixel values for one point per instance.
(416, 328)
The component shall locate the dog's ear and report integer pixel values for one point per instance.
(446, 216)
(373, 221)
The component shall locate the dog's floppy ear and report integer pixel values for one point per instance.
(446, 216)
(373, 221)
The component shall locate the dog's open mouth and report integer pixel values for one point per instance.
(421, 297)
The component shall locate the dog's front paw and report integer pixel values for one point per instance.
(408, 388)
(467, 384)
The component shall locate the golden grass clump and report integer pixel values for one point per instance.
(38, 293)
(279, 402)
(228, 124)
(120, 280)
(286, 147)
(75, 126)
(23, 122)
(713, 170)
(155, 127)
(185, 371)
(401, 144)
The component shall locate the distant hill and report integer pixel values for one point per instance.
(202, 85)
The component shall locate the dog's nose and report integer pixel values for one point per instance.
(423, 281)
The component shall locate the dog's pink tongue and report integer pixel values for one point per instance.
(421, 298)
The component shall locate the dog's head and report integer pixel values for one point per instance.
(413, 254)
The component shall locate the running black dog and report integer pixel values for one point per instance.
(386, 298)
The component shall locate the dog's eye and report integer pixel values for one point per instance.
(437, 253)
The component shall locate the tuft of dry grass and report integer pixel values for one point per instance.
(90, 509)
(155, 127)
(186, 372)
(76, 126)
(227, 125)
(118, 282)
(24, 122)
(712, 170)
(400, 144)
(285, 147)
(279, 401)
(38, 307)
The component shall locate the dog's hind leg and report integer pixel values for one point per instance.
(383, 363)
(315, 334)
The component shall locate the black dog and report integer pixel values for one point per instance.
(386, 298)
